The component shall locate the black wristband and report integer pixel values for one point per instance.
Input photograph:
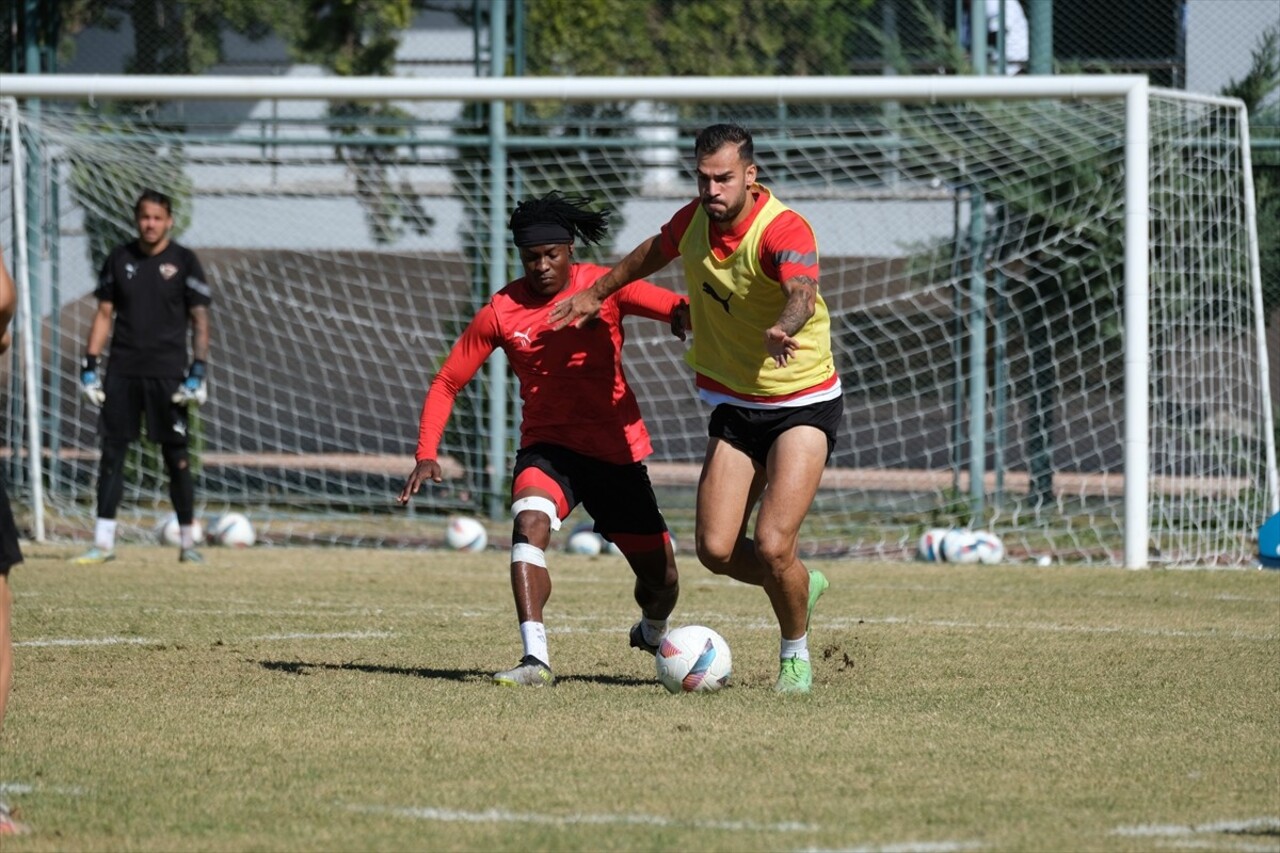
(196, 370)
(89, 362)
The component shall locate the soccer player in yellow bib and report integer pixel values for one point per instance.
(761, 355)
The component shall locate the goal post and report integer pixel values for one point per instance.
(1045, 292)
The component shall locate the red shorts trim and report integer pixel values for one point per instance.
(534, 478)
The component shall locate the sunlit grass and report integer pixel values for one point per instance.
(322, 699)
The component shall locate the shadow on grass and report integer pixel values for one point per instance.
(297, 667)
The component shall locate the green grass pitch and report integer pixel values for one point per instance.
(339, 699)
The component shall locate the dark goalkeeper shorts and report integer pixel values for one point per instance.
(753, 431)
(132, 400)
(619, 498)
(10, 553)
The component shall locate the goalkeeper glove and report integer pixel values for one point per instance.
(193, 390)
(90, 381)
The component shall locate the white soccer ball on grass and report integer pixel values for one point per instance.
(584, 540)
(930, 547)
(167, 532)
(959, 545)
(962, 545)
(232, 529)
(465, 533)
(989, 546)
(693, 659)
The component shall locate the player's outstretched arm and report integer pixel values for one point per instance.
(644, 260)
(802, 298)
(426, 469)
(477, 341)
(646, 299)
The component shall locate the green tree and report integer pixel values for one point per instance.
(1256, 89)
(349, 37)
(359, 38)
(169, 36)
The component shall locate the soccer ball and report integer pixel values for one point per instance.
(232, 529)
(167, 532)
(466, 534)
(584, 540)
(960, 545)
(930, 548)
(989, 547)
(693, 659)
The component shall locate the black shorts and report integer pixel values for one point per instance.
(10, 553)
(753, 431)
(619, 498)
(134, 399)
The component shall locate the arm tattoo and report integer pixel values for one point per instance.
(801, 303)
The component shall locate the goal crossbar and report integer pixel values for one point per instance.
(581, 89)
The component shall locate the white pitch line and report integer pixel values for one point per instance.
(336, 635)
(1256, 825)
(20, 788)
(503, 816)
(903, 847)
(88, 641)
(140, 641)
(844, 622)
(854, 621)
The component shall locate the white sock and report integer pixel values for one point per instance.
(798, 648)
(653, 630)
(104, 534)
(534, 637)
(187, 535)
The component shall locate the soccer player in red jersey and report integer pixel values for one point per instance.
(762, 357)
(582, 439)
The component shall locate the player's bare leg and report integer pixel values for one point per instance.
(730, 485)
(656, 590)
(795, 466)
(531, 587)
(657, 581)
(8, 823)
(6, 643)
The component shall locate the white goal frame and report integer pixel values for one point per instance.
(1133, 90)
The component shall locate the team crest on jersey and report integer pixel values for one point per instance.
(129, 270)
(168, 271)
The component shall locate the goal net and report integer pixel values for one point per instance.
(974, 259)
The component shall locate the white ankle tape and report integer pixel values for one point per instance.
(523, 552)
(538, 504)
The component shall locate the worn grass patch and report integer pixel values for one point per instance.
(330, 699)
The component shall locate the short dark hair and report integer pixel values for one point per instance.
(716, 136)
(155, 197)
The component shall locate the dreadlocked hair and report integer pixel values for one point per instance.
(569, 212)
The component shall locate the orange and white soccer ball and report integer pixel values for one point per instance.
(693, 659)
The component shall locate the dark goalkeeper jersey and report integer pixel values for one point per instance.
(572, 385)
(151, 296)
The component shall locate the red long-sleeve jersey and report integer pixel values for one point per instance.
(572, 384)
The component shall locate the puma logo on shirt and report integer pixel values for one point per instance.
(711, 291)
